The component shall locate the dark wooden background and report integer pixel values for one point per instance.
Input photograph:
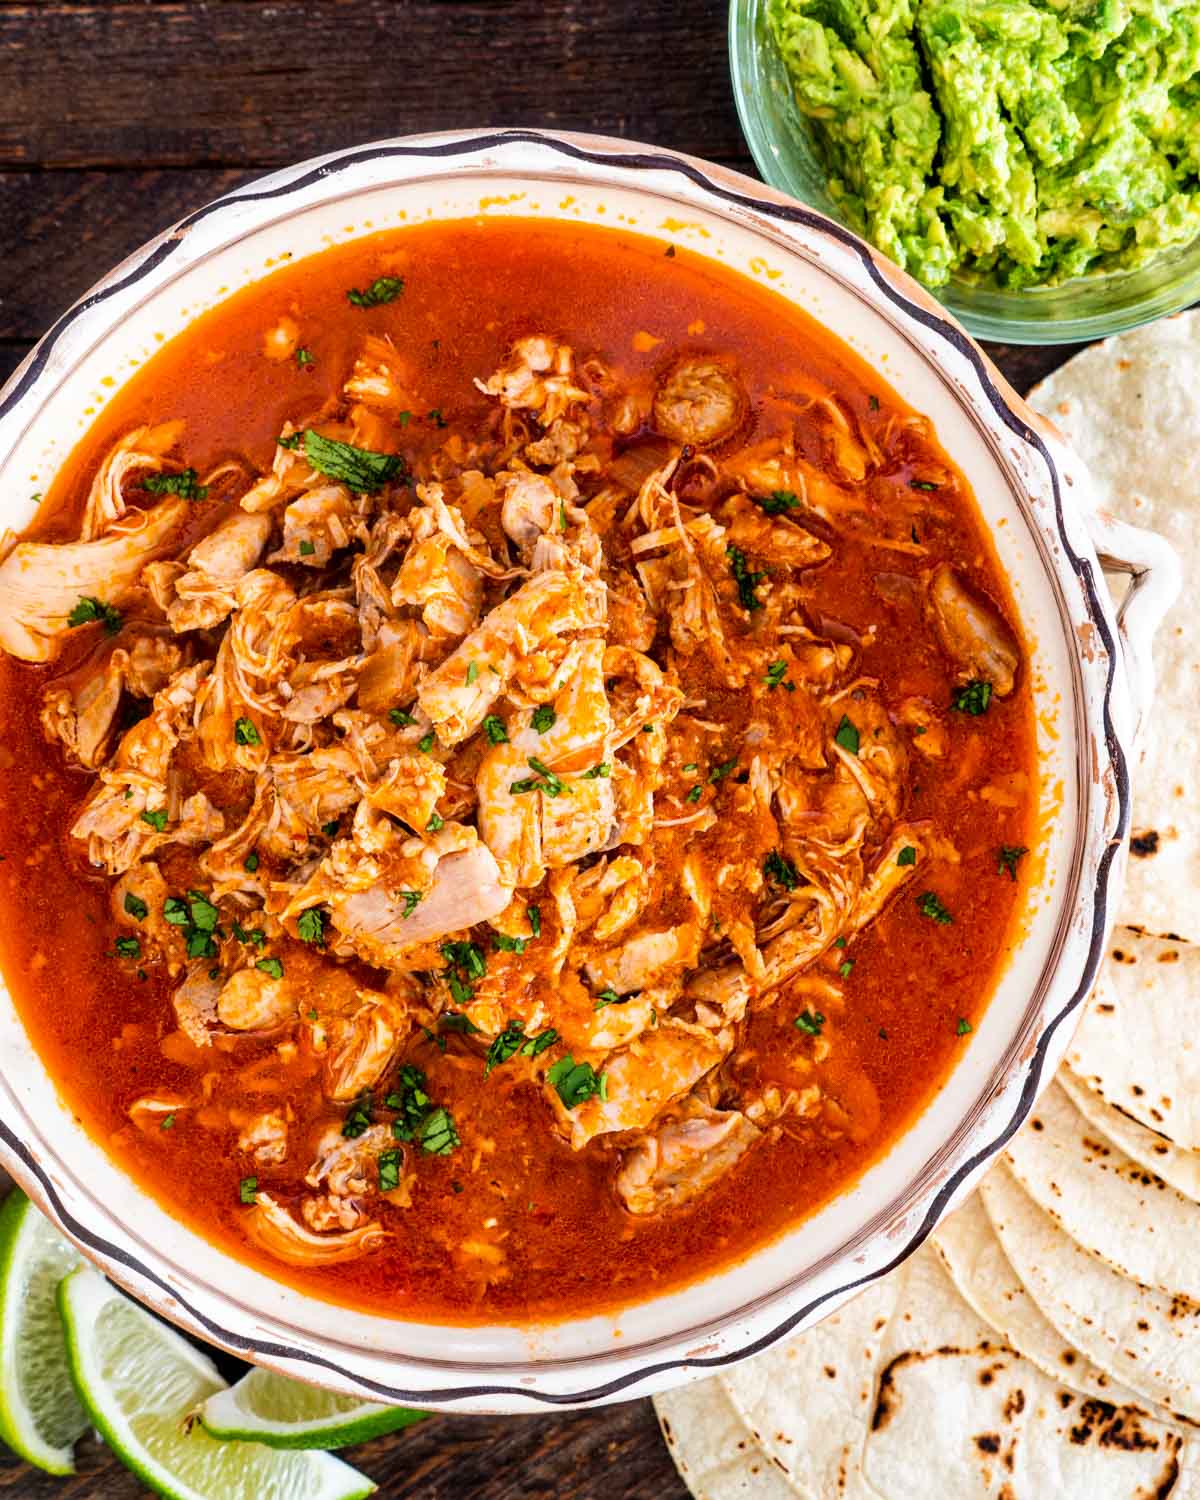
(118, 118)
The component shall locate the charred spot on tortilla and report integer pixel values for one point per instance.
(1144, 844)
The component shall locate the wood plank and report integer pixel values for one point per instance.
(244, 84)
(615, 1451)
(63, 230)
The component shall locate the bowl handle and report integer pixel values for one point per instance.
(1152, 566)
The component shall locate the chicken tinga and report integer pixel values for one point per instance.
(517, 768)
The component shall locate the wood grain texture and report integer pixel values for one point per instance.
(240, 83)
(117, 119)
(615, 1453)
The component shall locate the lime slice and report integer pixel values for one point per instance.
(141, 1383)
(40, 1415)
(267, 1408)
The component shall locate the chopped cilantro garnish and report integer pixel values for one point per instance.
(505, 944)
(534, 1046)
(438, 1134)
(574, 1082)
(251, 862)
(465, 963)
(963, 1026)
(907, 856)
(89, 610)
(602, 770)
(202, 914)
(846, 735)
(607, 996)
(506, 1045)
(271, 966)
(425, 743)
(248, 1190)
(929, 906)
(810, 1022)
(359, 469)
(746, 581)
(472, 672)
(545, 781)
(776, 672)
(434, 415)
(135, 907)
(412, 899)
(291, 442)
(157, 819)
(777, 503)
(245, 732)
(183, 484)
(454, 1020)
(390, 1163)
(383, 289)
(923, 484)
(307, 548)
(535, 920)
(493, 727)
(1007, 857)
(128, 947)
(543, 718)
(311, 926)
(719, 773)
(695, 793)
(332, 828)
(846, 968)
(304, 357)
(973, 699)
(782, 871)
(168, 1123)
(436, 821)
(401, 719)
(410, 1101)
(358, 1120)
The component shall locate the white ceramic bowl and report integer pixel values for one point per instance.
(1034, 496)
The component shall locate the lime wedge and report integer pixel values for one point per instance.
(40, 1415)
(267, 1408)
(141, 1382)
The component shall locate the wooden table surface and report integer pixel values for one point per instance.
(119, 116)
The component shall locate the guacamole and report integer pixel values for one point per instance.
(1016, 142)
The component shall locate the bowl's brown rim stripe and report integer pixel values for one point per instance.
(645, 161)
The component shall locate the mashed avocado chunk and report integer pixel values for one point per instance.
(1016, 142)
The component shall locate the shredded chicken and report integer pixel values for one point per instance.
(530, 751)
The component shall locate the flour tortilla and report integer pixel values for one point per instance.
(816, 1441)
(1130, 407)
(959, 1414)
(717, 1456)
(951, 1413)
(1107, 1202)
(1149, 1342)
(1138, 1044)
(983, 1276)
(1153, 1151)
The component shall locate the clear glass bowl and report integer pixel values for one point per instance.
(1087, 308)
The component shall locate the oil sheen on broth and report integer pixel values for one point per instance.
(517, 763)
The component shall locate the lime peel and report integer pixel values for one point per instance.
(40, 1415)
(141, 1382)
(267, 1408)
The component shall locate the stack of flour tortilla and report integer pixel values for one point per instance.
(1046, 1342)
